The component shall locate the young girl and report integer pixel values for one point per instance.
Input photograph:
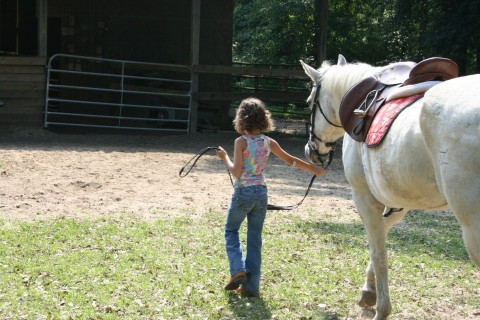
(249, 199)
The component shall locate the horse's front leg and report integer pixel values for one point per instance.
(369, 295)
(370, 211)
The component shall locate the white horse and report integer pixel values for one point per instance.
(430, 159)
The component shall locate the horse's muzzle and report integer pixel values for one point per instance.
(314, 157)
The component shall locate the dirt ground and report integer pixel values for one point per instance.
(74, 174)
(46, 174)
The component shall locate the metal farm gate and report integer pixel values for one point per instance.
(106, 93)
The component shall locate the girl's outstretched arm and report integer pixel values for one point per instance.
(234, 167)
(294, 161)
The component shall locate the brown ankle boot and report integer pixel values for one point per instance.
(236, 280)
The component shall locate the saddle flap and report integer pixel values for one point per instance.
(434, 68)
(352, 100)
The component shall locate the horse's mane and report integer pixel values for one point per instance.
(337, 79)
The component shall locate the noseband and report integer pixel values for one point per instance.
(311, 127)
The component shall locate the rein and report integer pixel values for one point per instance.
(183, 173)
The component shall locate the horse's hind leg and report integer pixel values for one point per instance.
(369, 296)
(450, 122)
(370, 211)
(462, 190)
(369, 292)
(471, 238)
(463, 195)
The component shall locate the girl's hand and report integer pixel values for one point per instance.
(318, 171)
(221, 153)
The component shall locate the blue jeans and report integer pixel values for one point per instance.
(251, 203)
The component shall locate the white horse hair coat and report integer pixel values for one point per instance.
(430, 159)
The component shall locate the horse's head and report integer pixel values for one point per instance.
(324, 128)
(330, 83)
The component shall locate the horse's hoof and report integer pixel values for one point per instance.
(368, 299)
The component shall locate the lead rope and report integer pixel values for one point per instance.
(196, 157)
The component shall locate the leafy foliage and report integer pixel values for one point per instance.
(442, 28)
(372, 31)
(268, 31)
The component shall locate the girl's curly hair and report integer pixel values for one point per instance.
(252, 115)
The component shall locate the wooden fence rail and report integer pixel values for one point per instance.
(284, 95)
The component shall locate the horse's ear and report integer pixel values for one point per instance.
(341, 60)
(311, 72)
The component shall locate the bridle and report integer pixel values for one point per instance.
(311, 128)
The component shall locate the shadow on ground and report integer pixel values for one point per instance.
(436, 234)
(248, 308)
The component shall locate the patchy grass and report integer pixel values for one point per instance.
(175, 267)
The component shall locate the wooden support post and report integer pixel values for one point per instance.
(42, 27)
(195, 54)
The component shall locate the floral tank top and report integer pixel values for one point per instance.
(255, 159)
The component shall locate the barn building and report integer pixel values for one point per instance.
(147, 64)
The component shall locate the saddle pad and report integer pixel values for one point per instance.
(384, 118)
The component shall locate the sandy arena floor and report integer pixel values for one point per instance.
(47, 174)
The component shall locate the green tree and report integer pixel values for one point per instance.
(273, 31)
(442, 28)
(268, 31)
(372, 31)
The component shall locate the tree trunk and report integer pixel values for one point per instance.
(477, 69)
(461, 60)
(321, 16)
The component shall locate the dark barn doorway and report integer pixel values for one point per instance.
(18, 27)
